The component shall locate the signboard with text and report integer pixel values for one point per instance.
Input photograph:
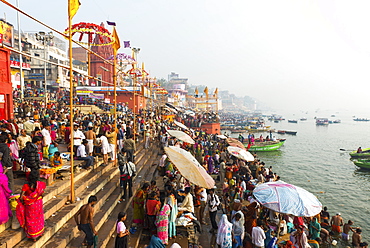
(6, 33)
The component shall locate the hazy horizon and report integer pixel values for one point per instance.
(291, 55)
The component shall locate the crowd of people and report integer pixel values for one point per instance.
(236, 218)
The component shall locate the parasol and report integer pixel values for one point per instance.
(180, 125)
(221, 136)
(287, 199)
(240, 153)
(189, 167)
(181, 136)
(235, 142)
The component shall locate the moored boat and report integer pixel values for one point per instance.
(293, 121)
(266, 146)
(364, 154)
(337, 121)
(281, 131)
(363, 163)
(303, 119)
(291, 132)
(322, 121)
(361, 119)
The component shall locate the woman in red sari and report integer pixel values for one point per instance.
(30, 213)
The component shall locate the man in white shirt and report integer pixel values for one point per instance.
(47, 140)
(78, 137)
(82, 155)
(258, 235)
(213, 201)
(203, 202)
(187, 204)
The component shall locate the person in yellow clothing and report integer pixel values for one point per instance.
(56, 160)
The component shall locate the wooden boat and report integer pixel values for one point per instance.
(291, 132)
(364, 154)
(266, 146)
(363, 163)
(293, 121)
(281, 131)
(337, 121)
(238, 130)
(303, 119)
(361, 119)
(258, 129)
(322, 121)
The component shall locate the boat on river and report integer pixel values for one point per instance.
(293, 121)
(291, 132)
(322, 121)
(364, 154)
(361, 119)
(363, 163)
(266, 146)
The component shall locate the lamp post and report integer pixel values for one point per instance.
(45, 38)
(135, 51)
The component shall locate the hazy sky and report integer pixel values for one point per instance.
(291, 54)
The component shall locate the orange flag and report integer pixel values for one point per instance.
(117, 44)
(206, 91)
(216, 91)
(196, 91)
(73, 7)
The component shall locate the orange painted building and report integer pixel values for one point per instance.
(6, 91)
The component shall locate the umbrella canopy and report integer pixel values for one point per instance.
(189, 167)
(240, 153)
(287, 199)
(180, 125)
(221, 136)
(181, 136)
(235, 142)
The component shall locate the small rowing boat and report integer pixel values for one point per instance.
(266, 146)
(363, 163)
(291, 132)
(364, 154)
(293, 121)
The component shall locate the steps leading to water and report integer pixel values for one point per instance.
(102, 181)
(106, 204)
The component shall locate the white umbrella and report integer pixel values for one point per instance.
(181, 136)
(189, 167)
(287, 199)
(240, 153)
(180, 125)
(221, 136)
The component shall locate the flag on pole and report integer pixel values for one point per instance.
(206, 91)
(73, 6)
(111, 23)
(126, 44)
(196, 91)
(216, 91)
(117, 44)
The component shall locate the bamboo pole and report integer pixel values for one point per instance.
(72, 194)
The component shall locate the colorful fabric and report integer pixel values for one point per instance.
(138, 204)
(162, 223)
(31, 214)
(224, 233)
(315, 229)
(5, 212)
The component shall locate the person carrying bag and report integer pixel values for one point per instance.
(127, 172)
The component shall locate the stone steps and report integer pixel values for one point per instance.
(55, 198)
(107, 201)
(107, 233)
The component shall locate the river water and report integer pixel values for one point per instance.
(313, 161)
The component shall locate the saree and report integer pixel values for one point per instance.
(5, 211)
(162, 223)
(251, 217)
(138, 205)
(224, 238)
(172, 218)
(315, 228)
(30, 214)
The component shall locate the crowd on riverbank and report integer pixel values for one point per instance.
(27, 143)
